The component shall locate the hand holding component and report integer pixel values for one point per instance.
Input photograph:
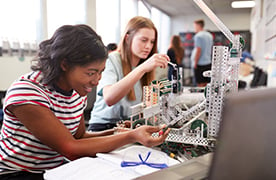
(157, 60)
(163, 130)
(172, 64)
(143, 135)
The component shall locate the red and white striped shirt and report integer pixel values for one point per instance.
(19, 149)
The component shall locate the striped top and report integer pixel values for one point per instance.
(19, 149)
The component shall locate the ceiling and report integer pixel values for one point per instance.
(188, 7)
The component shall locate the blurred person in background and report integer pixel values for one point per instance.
(201, 55)
(175, 53)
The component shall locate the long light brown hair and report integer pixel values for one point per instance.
(124, 49)
(178, 49)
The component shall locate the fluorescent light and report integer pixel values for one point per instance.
(243, 4)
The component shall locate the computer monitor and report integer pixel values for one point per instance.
(246, 143)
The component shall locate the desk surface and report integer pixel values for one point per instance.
(108, 165)
(196, 168)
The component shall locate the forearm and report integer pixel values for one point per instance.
(91, 146)
(104, 144)
(50, 131)
(88, 134)
(114, 93)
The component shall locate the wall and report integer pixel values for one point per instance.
(91, 13)
(232, 21)
(11, 68)
(263, 28)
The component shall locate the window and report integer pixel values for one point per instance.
(65, 12)
(163, 24)
(107, 20)
(143, 10)
(129, 9)
(19, 20)
(113, 15)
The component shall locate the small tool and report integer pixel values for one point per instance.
(169, 125)
(172, 64)
(161, 132)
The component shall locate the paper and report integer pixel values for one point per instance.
(131, 154)
(108, 165)
(88, 168)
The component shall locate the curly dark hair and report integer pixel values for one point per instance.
(76, 45)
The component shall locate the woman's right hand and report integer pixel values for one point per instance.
(156, 60)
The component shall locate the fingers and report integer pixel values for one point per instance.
(157, 60)
(127, 124)
(155, 129)
(164, 128)
(167, 132)
(155, 141)
(162, 59)
(152, 129)
(151, 141)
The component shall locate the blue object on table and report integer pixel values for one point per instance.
(153, 165)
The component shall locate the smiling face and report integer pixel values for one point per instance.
(142, 44)
(81, 78)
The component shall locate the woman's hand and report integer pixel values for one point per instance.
(143, 135)
(156, 60)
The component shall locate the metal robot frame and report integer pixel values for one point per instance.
(164, 101)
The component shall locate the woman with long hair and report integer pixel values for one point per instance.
(127, 70)
(43, 110)
(175, 53)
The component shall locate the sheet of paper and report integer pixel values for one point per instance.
(131, 154)
(89, 168)
(108, 165)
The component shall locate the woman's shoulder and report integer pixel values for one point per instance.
(33, 79)
(30, 82)
(115, 58)
(27, 88)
